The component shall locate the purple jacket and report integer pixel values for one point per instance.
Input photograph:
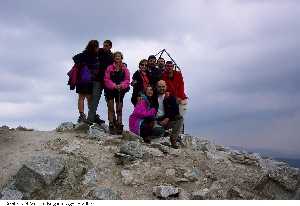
(140, 112)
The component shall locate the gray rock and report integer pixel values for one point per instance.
(104, 127)
(152, 152)
(71, 148)
(132, 148)
(165, 191)
(82, 126)
(127, 135)
(65, 126)
(192, 175)
(162, 148)
(281, 173)
(170, 172)
(95, 132)
(199, 195)
(90, 178)
(124, 159)
(127, 177)
(39, 172)
(9, 194)
(104, 193)
(4, 127)
(184, 195)
(297, 195)
(21, 128)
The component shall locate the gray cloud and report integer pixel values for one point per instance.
(240, 61)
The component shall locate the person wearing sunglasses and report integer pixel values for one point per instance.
(140, 81)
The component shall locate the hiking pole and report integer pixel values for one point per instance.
(161, 51)
(172, 60)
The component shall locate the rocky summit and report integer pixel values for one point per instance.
(82, 162)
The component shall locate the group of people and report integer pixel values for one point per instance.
(158, 95)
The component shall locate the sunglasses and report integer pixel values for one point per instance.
(143, 65)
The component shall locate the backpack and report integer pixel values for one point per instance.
(85, 75)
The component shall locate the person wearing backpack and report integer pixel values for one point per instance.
(87, 64)
(116, 80)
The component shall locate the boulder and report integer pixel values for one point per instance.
(65, 126)
(104, 193)
(132, 148)
(192, 175)
(40, 171)
(281, 173)
(10, 194)
(165, 191)
(199, 195)
(130, 136)
(95, 132)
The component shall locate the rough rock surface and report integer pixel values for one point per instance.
(40, 171)
(102, 193)
(165, 191)
(76, 166)
(65, 126)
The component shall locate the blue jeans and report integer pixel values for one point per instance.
(96, 95)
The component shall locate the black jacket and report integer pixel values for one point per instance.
(155, 74)
(138, 86)
(171, 108)
(106, 59)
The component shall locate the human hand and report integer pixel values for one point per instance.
(164, 122)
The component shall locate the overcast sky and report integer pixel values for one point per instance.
(240, 60)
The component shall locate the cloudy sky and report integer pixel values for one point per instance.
(240, 60)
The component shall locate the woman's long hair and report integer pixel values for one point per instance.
(90, 48)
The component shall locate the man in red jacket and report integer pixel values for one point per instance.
(175, 86)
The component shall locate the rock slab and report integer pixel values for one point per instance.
(165, 191)
(39, 172)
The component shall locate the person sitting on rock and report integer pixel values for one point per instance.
(140, 80)
(175, 86)
(142, 119)
(168, 115)
(117, 80)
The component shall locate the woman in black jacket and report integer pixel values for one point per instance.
(88, 65)
(140, 81)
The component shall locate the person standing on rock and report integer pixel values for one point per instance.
(87, 63)
(168, 115)
(154, 72)
(161, 64)
(117, 80)
(140, 81)
(142, 119)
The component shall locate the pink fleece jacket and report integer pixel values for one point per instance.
(109, 84)
(140, 112)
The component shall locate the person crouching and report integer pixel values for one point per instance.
(168, 115)
(116, 80)
(142, 119)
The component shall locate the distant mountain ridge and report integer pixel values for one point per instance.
(291, 159)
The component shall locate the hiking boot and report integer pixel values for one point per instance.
(173, 141)
(98, 120)
(111, 128)
(119, 128)
(147, 139)
(81, 118)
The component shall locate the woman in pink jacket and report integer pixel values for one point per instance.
(142, 120)
(116, 80)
